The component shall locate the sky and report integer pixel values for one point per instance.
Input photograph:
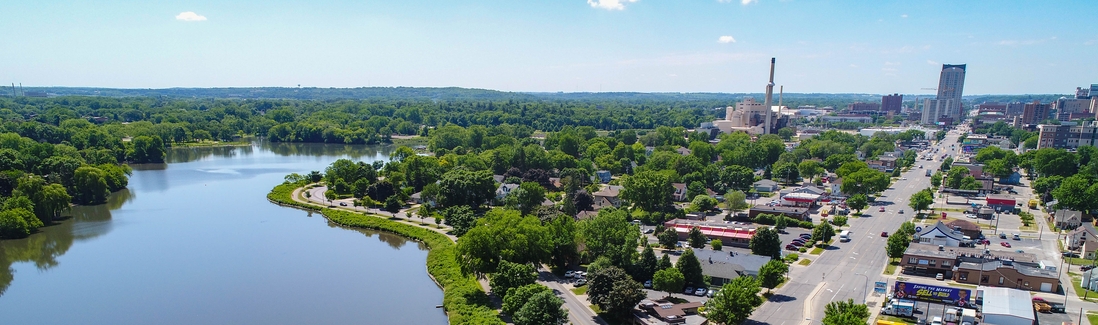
(854, 46)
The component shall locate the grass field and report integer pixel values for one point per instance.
(805, 262)
(890, 269)
(579, 291)
(817, 251)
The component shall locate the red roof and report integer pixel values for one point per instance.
(717, 232)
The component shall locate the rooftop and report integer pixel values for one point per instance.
(1006, 301)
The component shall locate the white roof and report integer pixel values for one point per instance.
(1008, 302)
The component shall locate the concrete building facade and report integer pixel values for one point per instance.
(1035, 112)
(1067, 136)
(892, 103)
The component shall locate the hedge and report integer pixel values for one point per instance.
(465, 301)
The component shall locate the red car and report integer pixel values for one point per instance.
(882, 209)
(1005, 244)
(791, 247)
(884, 234)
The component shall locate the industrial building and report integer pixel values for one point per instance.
(1004, 306)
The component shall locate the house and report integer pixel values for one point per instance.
(498, 178)
(792, 212)
(1089, 246)
(504, 190)
(603, 176)
(724, 266)
(608, 194)
(766, 186)
(1068, 219)
(680, 192)
(683, 151)
(582, 215)
(1076, 237)
(835, 185)
(1007, 274)
(670, 312)
(967, 228)
(1090, 280)
(940, 234)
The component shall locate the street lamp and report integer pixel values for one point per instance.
(865, 289)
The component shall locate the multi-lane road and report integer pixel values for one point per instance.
(848, 270)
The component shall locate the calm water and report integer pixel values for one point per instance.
(195, 241)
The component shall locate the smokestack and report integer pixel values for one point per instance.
(769, 98)
(781, 91)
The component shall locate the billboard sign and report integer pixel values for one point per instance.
(880, 287)
(945, 295)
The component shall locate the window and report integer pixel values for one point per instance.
(983, 279)
(933, 262)
(1026, 283)
(963, 276)
(946, 263)
(1001, 280)
(913, 260)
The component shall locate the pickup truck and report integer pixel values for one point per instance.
(1042, 306)
(1057, 307)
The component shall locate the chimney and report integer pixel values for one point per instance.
(769, 98)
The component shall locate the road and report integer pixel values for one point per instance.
(848, 270)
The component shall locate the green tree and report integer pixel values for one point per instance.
(823, 232)
(736, 201)
(703, 203)
(772, 274)
(614, 291)
(787, 172)
(668, 280)
(809, 168)
(737, 177)
(562, 233)
(690, 267)
(845, 313)
(91, 186)
(517, 297)
(503, 235)
(393, 204)
(647, 264)
(936, 179)
(765, 242)
(1077, 193)
(648, 190)
(460, 218)
(734, 302)
(696, 238)
(528, 196)
(921, 200)
(839, 221)
(610, 234)
(511, 275)
(907, 228)
(857, 202)
(13, 223)
(897, 244)
(665, 263)
(947, 164)
(542, 309)
(461, 186)
(716, 244)
(668, 238)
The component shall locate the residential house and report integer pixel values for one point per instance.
(940, 234)
(967, 228)
(1067, 219)
(1076, 237)
(1089, 248)
(608, 195)
(504, 190)
(683, 151)
(670, 313)
(680, 192)
(498, 178)
(1090, 280)
(582, 215)
(835, 185)
(724, 266)
(766, 186)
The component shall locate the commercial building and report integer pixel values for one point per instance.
(940, 234)
(729, 236)
(1007, 274)
(937, 111)
(892, 103)
(1035, 112)
(951, 85)
(1068, 107)
(1068, 136)
(795, 213)
(1004, 306)
(864, 108)
(857, 118)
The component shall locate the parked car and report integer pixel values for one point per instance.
(581, 282)
(884, 234)
(1020, 251)
(581, 274)
(569, 273)
(700, 292)
(648, 284)
(797, 244)
(791, 247)
(1005, 244)
(711, 293)
(1087, 267)
(939, 277)
(806, 236)
(1070, 254)
(688, 290)
(798, 240)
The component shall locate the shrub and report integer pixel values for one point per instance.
(792, 257)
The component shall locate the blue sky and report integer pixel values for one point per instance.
(1011, 47)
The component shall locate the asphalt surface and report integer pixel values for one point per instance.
(848, 270)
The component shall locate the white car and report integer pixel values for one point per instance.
(582, 282)
(903, 178)
(569, 274)
(700, 292)
(937, 321)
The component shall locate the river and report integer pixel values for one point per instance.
(194, 241)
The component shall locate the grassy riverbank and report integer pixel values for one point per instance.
(464, 300)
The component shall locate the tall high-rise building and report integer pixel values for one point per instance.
(1035, 112)
(937, 110)
(892, 103)
(951, 85)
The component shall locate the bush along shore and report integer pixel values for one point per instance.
(464, 300)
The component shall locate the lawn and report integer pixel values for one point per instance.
(817, 251)
(805, 262)
(580, 291)
(1078, 261)
(890, 269)
(1030, 228)
(1091, 295)
(1093, 318)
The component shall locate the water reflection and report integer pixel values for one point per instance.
(353, 151)
(43, 248)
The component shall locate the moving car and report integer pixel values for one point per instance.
(1005, 244)
(939, 277)
(343, 204)
(1017, 237)
(901, 211)
(884, 234)
(1002, 236)
(882, 209)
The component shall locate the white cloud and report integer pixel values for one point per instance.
(726, 39)
(747, 2)
(891, 63)
(609, 4)
(189, 16)
(853, 65)
(889, 69)
(932, 62)
(903, 16)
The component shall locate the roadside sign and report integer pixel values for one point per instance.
(918, 229)
(880, 287)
